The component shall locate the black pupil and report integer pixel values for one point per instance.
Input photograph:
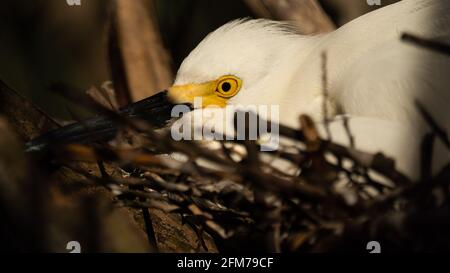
(226, 86)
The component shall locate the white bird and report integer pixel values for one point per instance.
(373, 77)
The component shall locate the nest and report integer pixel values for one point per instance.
(334, 202)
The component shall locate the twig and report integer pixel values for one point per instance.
(426, 159)
(325, 95)
(348, 131)
(440, 133)
(142, 63)
(433, 45)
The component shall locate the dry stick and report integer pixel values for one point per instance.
(149, 227)
(386, 202)
(325, 95)
(167, 185)
(306, 15)
(413, 190)
(433, 45)
(105, 97)
(117, 62)
(226, 151)
(312, 138)
(377, 162)
(102, 169)
(440, 133)
(113, 183)
(253, 171)
(151, 235)
(271, 182)
(428, 143)
(75, 95)
(350, 136)
(146, 65)
(426, 158)
(28, 120)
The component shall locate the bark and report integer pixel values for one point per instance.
(138, 50)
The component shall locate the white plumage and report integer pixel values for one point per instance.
(373, 77)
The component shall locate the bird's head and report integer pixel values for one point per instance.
(230, 64)
(236, 64)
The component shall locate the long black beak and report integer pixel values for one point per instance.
(156, 110)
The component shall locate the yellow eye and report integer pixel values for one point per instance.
(228, 86)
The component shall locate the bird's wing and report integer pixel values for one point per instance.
(372, 72)
(430, 18)
(370, 34)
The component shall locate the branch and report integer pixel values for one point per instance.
(27, 119)
(137, 55)
(427, 43)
